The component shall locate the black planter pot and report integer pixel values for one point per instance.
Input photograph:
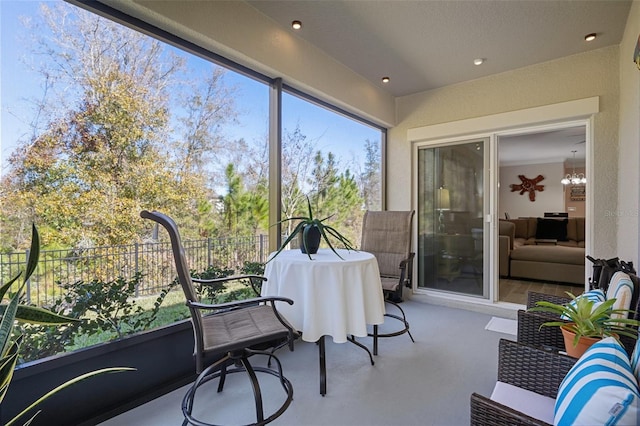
(311, 235)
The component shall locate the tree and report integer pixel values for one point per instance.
(330, 191)
(342, 201)
(209, 105)
(296, 163)
(370, 177)
(102, 145)
(235, 202)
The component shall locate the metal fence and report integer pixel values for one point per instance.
(154, 260)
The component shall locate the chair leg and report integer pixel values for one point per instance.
(402, 318)
(223, 376)
(375, 339)
(257, 394)
(203, 377)
(242, 364)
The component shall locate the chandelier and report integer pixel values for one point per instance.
(573, 178)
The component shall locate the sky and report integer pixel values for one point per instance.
(333, 132)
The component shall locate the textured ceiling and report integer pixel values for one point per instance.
(554, 146)
(423, 45)
(427, 44)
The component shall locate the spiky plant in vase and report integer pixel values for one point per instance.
(583, 318)
(311, 230)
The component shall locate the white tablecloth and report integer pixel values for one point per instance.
(332, 297)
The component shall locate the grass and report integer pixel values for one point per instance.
(173, 309)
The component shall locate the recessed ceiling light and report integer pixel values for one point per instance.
(478, 61)
(296, 25)
(386, 79)
(590, 37)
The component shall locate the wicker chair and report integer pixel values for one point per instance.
(387, 235)
(531, 333)
(528, 368)
(228, 334)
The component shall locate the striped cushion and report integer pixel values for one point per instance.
(600, 389)
(620, 288)
(635, 360)
(596, 296)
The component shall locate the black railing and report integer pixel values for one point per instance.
(153, 259)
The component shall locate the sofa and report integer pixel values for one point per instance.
(548, 249)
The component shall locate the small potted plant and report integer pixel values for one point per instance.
(310, 230)
(583, 321)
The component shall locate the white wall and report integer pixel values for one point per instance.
(551, 199)
(575, 77)
(626, 212)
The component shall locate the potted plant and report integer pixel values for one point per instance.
(585, 321)
(311, 230)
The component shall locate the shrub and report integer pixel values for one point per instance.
(107, 308)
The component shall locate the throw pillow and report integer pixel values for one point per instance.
(597, 296)
(635, 360)
(599, 389)
(554, 229)
(620, 288)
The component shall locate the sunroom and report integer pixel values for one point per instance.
(440, 150)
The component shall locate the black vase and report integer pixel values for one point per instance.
(310, 234)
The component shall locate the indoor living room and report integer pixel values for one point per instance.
(542, 211)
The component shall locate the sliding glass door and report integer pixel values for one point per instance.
(452, 204)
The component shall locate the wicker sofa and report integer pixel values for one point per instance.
(543, 249)
(525, 367)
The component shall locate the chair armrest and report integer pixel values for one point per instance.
(238, 303)
(528, 368)
(531, 333)
(405, 262)
(533, 297)
(406, 268)
(484, 411)
(250, 278)
(229, 278)
(534, 369)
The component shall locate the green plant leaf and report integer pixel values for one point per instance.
(295, 231)
(309, 206)
(324, 235)
(34, 253)
(7, 286)
(28, 422)
(553, 324)
(6, 325)
(37, 315)
(66, 385)
(328, 217)
(326, 231)
(584, 318)
(302, 218)
(7, 367)
(339, 237)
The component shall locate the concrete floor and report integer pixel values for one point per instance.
(423, 383)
